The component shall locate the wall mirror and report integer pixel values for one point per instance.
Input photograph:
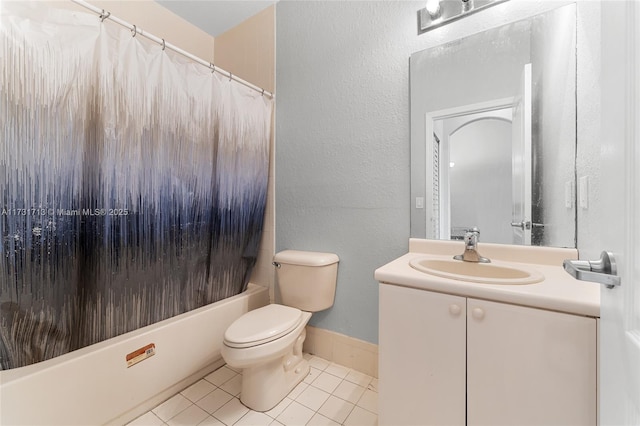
(493, 134)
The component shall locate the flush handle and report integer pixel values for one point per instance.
(603, 270)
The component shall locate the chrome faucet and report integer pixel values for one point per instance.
(471, 254)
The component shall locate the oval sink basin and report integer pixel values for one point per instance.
(484, 273)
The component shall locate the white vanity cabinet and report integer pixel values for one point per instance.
(451, 360)
(421, 357)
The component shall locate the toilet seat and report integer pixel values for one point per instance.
(262, 325)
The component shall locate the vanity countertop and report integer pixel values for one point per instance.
(558, 291)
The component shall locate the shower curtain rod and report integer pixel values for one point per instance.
(135, 30)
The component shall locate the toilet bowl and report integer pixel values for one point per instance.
(266, 343)
(271, 358)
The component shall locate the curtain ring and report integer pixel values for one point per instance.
(262, 94)
(134, 30)
(212, 66)
(163, 44)
(103, 16)
(230, 76)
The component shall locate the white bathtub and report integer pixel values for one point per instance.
(93, 386)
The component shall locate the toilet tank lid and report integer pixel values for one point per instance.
(305, 258)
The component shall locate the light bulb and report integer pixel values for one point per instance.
(433, 7)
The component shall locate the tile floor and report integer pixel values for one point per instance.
(330, 395)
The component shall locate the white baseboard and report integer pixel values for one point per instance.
(344, 350)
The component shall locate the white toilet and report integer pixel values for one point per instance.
(267, 342)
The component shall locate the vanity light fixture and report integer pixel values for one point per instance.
(437, 13)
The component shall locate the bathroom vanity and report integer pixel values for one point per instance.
(515, 345)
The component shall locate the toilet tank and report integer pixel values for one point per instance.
(307, 279)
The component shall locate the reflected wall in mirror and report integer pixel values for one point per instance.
(493, 134)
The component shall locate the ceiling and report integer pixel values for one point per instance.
(216, 16)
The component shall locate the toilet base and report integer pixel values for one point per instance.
(265, 385)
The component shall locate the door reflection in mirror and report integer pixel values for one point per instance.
(475, 154)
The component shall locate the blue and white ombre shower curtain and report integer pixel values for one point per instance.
(133, 182)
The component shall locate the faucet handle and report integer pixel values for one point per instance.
(471, 237)
(470, 245)
(470, 240)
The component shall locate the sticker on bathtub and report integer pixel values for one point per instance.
(141, 354)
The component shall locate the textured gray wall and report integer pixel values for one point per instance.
(342, 144)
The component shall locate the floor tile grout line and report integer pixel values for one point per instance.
(275, 418)
(342, 378)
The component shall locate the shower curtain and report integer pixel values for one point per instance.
(132, 182)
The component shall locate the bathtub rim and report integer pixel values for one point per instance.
(20, 373)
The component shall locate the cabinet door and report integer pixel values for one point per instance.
(529, 366)
(421, 357)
